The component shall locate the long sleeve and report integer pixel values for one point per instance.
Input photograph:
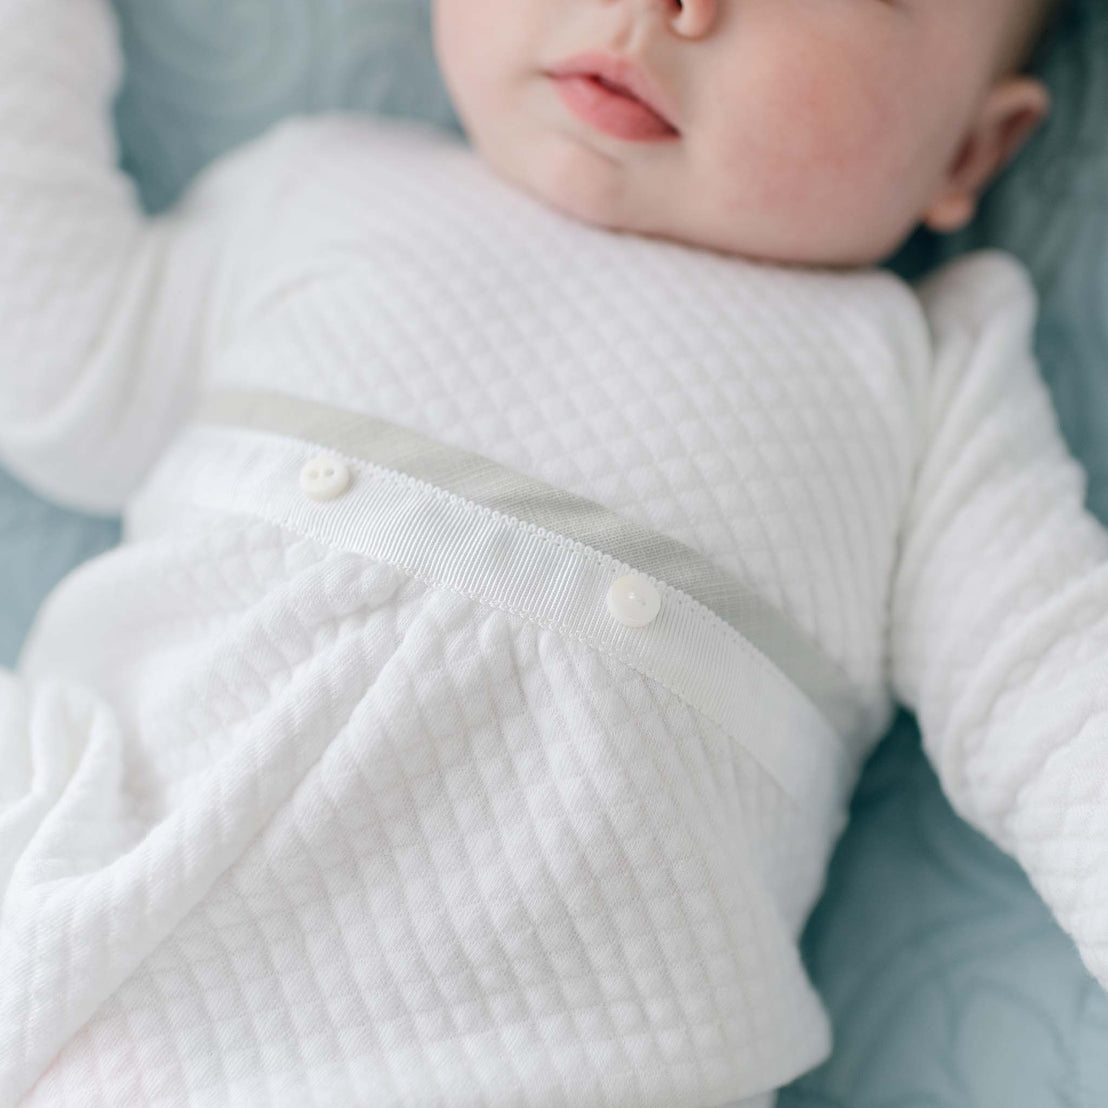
(1000, 608)
(104, 314)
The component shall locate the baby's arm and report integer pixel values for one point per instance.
(1000, 613)
(104, 315)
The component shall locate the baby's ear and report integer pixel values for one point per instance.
(1010, 114)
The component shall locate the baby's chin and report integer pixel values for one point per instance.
(602, 201)
(726, 239)
(584, 186)
(601, 196)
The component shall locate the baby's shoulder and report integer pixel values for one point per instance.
(300, 147)
(949, 314)
(340, 129)
(980, 312)
(981, 304)
(963, 294)
(974, 288)
(313, 143)
(981, 307)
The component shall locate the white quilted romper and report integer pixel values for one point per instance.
(504, 611)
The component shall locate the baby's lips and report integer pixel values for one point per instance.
(614, 112)
(620, 77)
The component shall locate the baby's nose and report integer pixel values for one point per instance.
(692, 18)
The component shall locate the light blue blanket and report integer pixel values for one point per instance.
(948, 983)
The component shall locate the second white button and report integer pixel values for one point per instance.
(634, 600)
(325, 477)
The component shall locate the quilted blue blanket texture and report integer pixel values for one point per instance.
(948, 983)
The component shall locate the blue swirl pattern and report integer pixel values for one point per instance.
(948, 982)
(204, 75)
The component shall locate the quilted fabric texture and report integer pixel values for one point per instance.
(438, 865)
(383, 270)
(966, 1068)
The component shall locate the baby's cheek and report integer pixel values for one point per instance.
(481, 47)
(811, 139)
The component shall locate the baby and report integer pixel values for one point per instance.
(523, 551)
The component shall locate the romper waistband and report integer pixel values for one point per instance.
(461, 521)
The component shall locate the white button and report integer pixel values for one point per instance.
(634, 600)
(324, 478)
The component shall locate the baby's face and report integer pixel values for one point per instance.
(815, 131)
